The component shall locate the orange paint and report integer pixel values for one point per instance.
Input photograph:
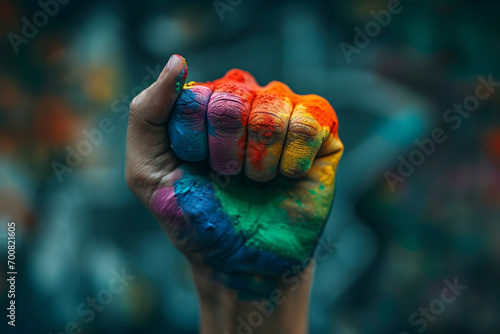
(244, 85)
(237, 80)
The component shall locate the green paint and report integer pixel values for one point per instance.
(322, 187)
(276, 216)
(304, 163)
(179, 82)
(312, 191)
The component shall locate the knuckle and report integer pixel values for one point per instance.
(193, 100)
(264, 125)
(307, 129)
(226, 114)
(141, 108)
(229, 107)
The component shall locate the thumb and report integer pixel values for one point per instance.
(147, 139)
(153, 104)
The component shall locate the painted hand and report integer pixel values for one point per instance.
(244, 178)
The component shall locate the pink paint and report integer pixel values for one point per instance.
(165, 206)
(228, 112)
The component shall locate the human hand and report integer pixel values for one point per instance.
(261, 202)
(256, 209)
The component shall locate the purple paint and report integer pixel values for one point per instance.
(164, 205)
(227, 121)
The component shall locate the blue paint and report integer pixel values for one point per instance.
(187, 126)
(215, 239)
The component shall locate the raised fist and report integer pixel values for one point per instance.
(241, 177)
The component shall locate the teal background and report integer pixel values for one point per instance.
(396, 247)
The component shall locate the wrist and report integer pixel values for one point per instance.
(252, 304)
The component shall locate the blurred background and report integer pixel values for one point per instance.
(403, 233)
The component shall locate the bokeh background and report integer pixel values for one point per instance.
(396, 246)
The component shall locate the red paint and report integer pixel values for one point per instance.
(265, 128)
(317, 106)
(259, 152)
(243, 84)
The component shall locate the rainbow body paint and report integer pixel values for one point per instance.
(248, 133)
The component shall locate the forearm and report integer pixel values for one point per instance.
(276, 306)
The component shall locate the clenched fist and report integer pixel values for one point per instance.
(241, 177)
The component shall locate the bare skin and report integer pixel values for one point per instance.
(273, 300)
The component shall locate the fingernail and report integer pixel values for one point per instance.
(171, 64)
(181, 57)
